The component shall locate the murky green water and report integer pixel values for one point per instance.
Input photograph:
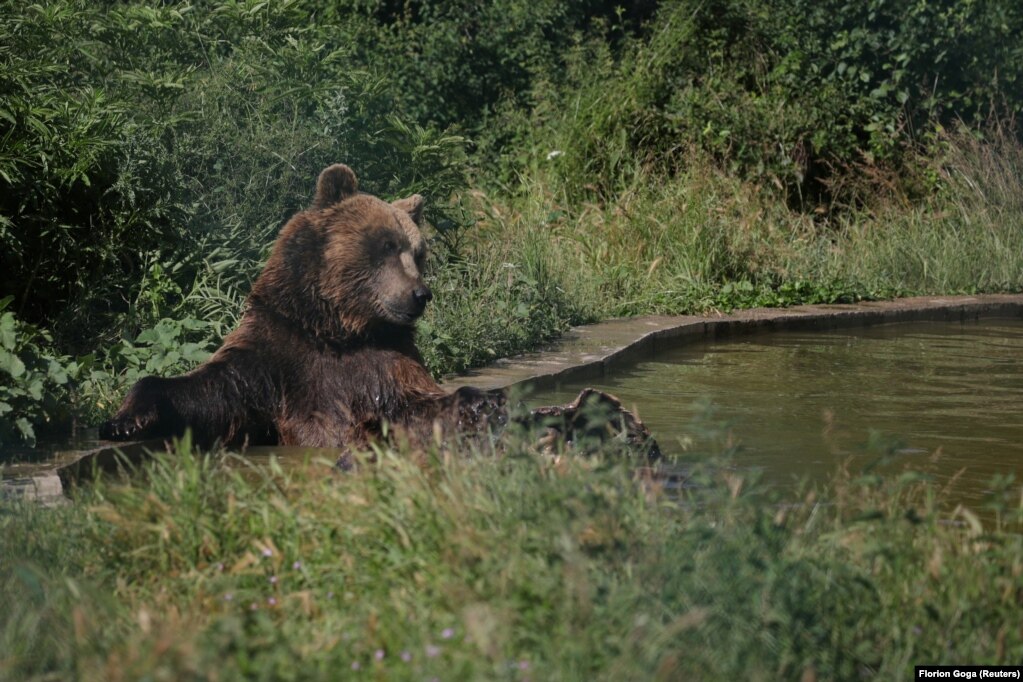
(948, 398)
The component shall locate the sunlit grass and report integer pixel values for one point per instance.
(699, 239)
(503, 565)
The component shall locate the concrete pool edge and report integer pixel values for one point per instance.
(589, 351)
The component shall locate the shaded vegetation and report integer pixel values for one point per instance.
(581, 160)
(808, 97)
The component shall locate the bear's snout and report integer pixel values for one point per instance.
(422, 295)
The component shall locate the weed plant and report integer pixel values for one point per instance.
(702, 240)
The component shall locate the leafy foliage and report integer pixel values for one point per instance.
(454, 62)
(790, 94)
(35, 383)
(150, 152)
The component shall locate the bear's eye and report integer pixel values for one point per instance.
(390, 246)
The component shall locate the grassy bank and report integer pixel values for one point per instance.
(509, 566)
(700, 240)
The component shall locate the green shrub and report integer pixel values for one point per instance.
(789, 94)
(36, 384)
(495, 303)
(452, 62)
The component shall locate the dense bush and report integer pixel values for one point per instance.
(452, 62)
(150, 152)
(793, 94)
(37, 383)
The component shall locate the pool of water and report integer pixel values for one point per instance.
(944, 398)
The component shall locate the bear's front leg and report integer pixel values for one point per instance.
(212, 400)
(147, 412)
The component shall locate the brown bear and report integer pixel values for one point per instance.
(325, 354)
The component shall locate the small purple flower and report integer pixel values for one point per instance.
(220, 565)
(228, 597)
(379, 654)
(406, 655)
(356, 665)
(447, 633)
(267, 552)
(253, 606)
(272, 601)
(432, 651)
(523, 665)
(297, 566)
(273, 580)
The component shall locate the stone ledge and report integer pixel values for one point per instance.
(588, 351)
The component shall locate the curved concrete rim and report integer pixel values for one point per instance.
(589, 351)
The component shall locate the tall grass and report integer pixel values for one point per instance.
(967, 237)
(699, 238)
(497, 300)
(506, 566)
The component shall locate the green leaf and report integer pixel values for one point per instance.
(12, 364)
(35, 389)
(27, 432)
(56, 373)
(146, 336)
(8, 333)
(193, 352)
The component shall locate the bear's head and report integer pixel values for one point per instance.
(351, 263)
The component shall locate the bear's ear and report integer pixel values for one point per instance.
(336, 183)
(412, 205)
